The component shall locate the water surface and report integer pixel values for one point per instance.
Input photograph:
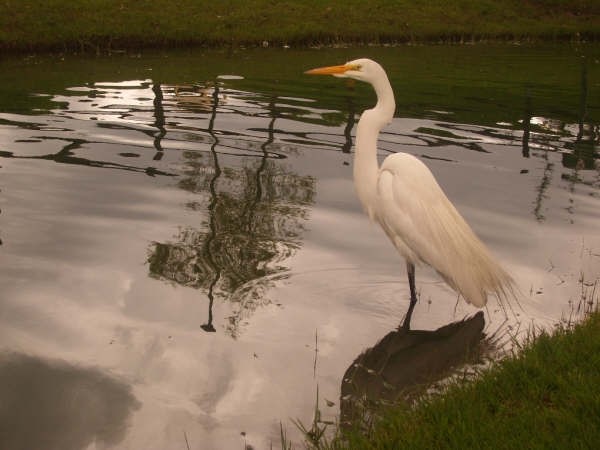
(183, 253)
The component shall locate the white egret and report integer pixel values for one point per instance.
(403, 196)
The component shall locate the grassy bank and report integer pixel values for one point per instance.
(547, 397)
(100, 25)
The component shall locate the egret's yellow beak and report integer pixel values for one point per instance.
(329, 70)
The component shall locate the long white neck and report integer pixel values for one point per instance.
(366, 166)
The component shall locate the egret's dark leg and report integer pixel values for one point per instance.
(410, 270)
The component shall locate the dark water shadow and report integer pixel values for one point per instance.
(403, 364)
(66, 156)
(52, 405)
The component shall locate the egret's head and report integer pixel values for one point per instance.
(360, 69)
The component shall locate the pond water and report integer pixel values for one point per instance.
(183, 261)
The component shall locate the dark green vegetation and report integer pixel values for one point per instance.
(100, 25)
(545, 397)
(482, 84)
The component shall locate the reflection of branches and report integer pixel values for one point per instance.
(349, 125)
(159, 120)
(583, 155)
(255, 222)
(211, 212)
(543, 186)
(252, 220)
(583, 98)
(65, 156)
(526, 126)
(250, 212)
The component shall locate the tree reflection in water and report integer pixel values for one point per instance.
(256, 214)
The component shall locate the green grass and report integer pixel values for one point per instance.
(99, 25)
(545, 397)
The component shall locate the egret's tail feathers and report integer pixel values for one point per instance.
(481, 283)
(476, 274)
(465, 262)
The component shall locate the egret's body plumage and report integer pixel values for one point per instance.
(403, 196)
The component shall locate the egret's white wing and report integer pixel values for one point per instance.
(424, 226)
